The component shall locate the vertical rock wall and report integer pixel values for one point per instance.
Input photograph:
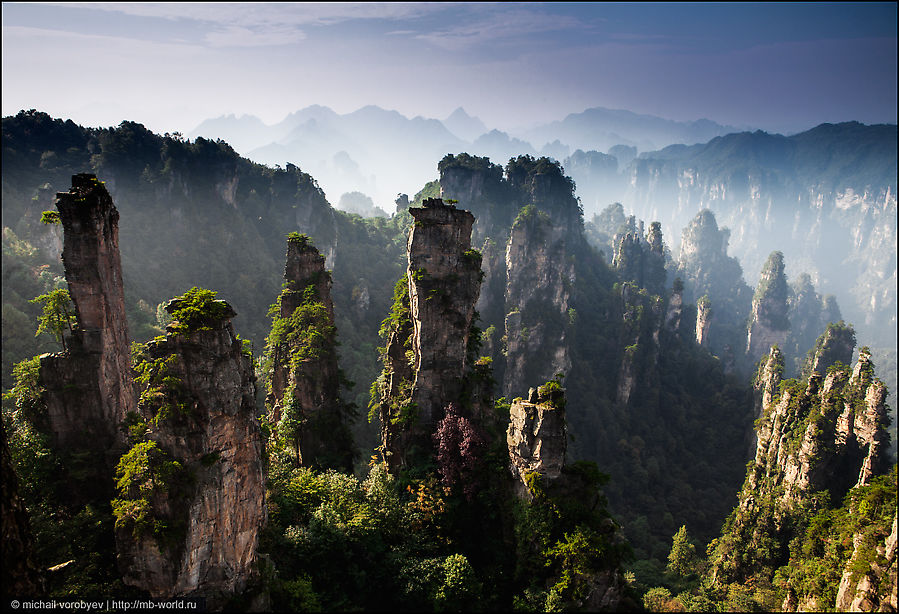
(304, 378)
(428, 351)
(769, 322)
(538, 294)
(89, 387)
(214, 516)
(537, 437)
(444, 282)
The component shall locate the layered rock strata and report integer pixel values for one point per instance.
(204, 444)
(89, 387)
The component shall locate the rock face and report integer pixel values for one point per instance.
(537, 437)
(873, 590)
(538, 294)
(707, 270)
(826, 434)
(703, 320)
(89, 387)
(641, 259)
(769, 322)
(428, 351)
(478, 185)
(203, 432)
(835, 345)
(304, 378)
(835, 220)
(444, 282)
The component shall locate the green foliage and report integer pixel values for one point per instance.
(302, 240)
(58, 314)
(682, 559)
(50, 217)
(196, 310)
(564, 536)
(142, 474)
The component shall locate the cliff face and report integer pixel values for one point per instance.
(304, 379)
(537, 437)
(835, 345)
(538, 293)
(89, 387)
(833, 215)
(708, 271)
(769, 322)
(444, 282)
(478, 184)
(824, 435)
(191, 489)
(874, 589)
(428, 351)
(641, 259)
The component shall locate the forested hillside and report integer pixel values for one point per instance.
(481, 304)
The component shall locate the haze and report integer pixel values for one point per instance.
(779, 67)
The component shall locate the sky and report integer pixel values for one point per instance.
(776, 66)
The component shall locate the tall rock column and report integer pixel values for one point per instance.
(769, 322)
(427, 356)
(538, 296)
(825, 434)
(304, 379)
(191, 498)
(444, 282)
(89, 387)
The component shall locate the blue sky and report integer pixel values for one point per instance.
(774, 66)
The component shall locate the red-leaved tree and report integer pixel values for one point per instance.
(460, 451)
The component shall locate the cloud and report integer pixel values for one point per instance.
(254, 14)
(500, 26)
(239, 36)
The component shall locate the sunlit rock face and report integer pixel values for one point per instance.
(537, 439)
(213, 519)
(824, 434)
(89, 387)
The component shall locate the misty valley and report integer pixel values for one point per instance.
(656, 377)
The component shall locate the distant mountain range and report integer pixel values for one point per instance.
(345, 152)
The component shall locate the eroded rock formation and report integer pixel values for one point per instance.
(538, 294)
(428, 353)
(89, 387)
(707, 270)
(304, 379)
(872, 589)
(826, 434)
(200, 453)
(769, 322)
(537, 437)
